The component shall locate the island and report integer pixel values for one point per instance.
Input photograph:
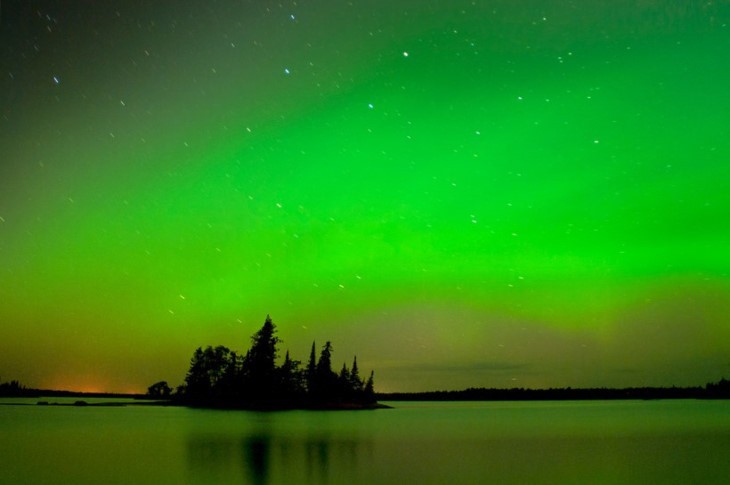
(221, 378)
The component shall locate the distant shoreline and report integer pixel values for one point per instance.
(142, 400)
(38, 393)
(719, 390)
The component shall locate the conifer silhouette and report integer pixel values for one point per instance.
(219, 377)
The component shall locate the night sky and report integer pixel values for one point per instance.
(463, 193)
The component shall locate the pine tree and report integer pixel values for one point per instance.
(312, 371)
(324, 366)
(325, 379)
(261, 360)
(288, 386)
(196, 380)
(345, 374)
(229, 380)
(355, 381)
(286, 366)
(263, 346)
(207, 369)
(344, 387)
(369, 390)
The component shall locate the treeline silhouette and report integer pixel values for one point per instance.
(219, 377)
(718, 390)
(13, 388)
(16, 389)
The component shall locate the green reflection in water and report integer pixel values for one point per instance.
(538, 442)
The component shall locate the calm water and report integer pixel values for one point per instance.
(545, 442)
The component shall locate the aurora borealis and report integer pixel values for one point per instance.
(464, 193)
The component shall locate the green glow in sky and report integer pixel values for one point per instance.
(488, 193)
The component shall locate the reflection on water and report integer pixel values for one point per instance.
(426, 443)
(263, 458)
(256, 451)
(612, 442)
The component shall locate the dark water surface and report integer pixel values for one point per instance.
(509, 442)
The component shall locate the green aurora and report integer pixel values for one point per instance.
(462, 193)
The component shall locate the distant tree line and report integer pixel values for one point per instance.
(718, 390)
(12, 388)
(16, 389)
(220, 377)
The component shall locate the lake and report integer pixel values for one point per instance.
(682, 441)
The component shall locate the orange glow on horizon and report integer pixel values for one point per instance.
(86, 384)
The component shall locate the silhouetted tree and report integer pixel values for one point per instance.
(286, 369)
(12, 388)
(369, 390)
(355, 381)
(197, 382)
(720, 389)
(324, 365)
(180, 391)
(229, 385)
(159, 390)
(344, 375)
(312, 370)
(325, 382)
(261, 361)
(207, 368)
(290, 381)
(344, 390)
